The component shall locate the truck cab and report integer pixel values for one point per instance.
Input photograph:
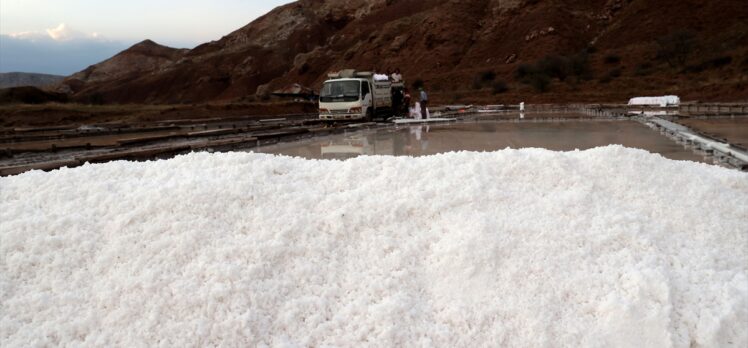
(351, 96)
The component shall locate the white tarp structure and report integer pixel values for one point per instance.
(523, 248)
(381, 77)
(668, 100)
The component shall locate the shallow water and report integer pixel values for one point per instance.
(484, 136)
(734, 130)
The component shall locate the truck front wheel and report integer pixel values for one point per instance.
(368, 117)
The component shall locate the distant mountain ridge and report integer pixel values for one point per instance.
(39, 53)
(19, 79)
(460, 49)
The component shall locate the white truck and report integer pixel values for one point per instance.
(350, 95)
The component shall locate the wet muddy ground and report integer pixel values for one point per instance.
(485, 136)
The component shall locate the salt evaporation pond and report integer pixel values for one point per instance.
(519, 248)
(423, 140)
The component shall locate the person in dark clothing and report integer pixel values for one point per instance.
(424, 103)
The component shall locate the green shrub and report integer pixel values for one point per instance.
(540, 74)
(611, 75)
(720, 61)
(96, 99)
(555, 66)
(676, 47)
(304, 69)
(477, 83)
(540, 82)
(483, 78)
(499, 87)
(580, 66)
(524, 70)
(643, 69)
(487, 76)
(713, 63)
(612, 59)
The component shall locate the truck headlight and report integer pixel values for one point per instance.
(355, 110)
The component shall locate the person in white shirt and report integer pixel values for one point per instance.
(397, 76)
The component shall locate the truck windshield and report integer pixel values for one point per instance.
(340, 91)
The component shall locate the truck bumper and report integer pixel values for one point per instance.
(340, 117)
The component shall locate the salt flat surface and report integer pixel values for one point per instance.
(516, 248)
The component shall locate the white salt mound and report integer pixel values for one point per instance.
(610, 247)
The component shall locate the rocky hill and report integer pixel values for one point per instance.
(18, 79)
(468, 50)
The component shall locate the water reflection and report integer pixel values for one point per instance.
(401, 141)
(484, 136)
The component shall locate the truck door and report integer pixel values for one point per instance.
(366, 94)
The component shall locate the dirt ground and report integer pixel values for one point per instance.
(55, 115)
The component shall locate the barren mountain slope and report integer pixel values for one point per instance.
(447, 44)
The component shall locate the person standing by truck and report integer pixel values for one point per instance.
(424, 103)
(407, 99)
(396, 76)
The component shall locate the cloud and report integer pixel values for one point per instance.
(61, 33)
(60, 51)
(27, 35)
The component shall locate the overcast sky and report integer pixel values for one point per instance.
(112, 25)
(174, 22)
